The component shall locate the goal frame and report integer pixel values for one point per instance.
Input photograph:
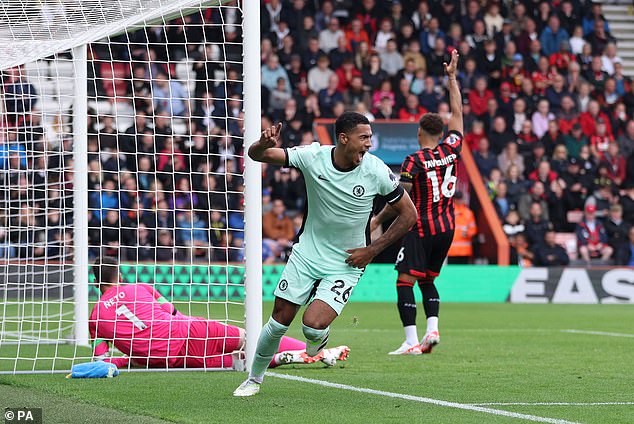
(252, 169)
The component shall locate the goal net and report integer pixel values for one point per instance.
(121, 134)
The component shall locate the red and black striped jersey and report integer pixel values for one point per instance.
(433, 175)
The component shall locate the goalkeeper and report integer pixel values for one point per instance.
(143, 325)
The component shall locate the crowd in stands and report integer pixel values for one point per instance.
(547, 114)
(547, 107)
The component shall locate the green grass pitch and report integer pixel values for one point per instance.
(490, 353)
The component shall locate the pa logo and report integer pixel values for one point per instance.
(283, 285)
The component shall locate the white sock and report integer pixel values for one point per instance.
(432, 324)
(411, 335)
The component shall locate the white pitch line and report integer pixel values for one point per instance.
(598, 333)
(421, 399)
(551, 403)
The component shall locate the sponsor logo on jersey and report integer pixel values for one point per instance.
(452, 139)
(394, 180)
(358, 191)
(283, 285)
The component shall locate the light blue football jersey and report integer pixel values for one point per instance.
(339, 204)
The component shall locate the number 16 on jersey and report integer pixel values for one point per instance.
(448, 186)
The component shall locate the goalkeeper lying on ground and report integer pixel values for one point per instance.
(143, 325)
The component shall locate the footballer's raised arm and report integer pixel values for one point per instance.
(455, 98)
(265, 150)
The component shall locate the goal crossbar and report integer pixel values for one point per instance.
(19, 46)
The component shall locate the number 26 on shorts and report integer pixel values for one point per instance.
(340, 296)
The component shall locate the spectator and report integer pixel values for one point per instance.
(600, 37)
(510, 156)
(625, 252)
(383, 36)
(552, 36)
(340, 55)
(432, 96)
(319, 76)
(610, 58)
(277, 228)
(170, 96)
(536, 224)
(541, 117)
(346, 73)
(192, 235)
(553, 137)
(461, 250)
(616, 228)
(356, 94)
(519, 115)
(272, 71)
(558, 206)
(567, 116)
(484, 159)
(536, 194)
(391, 59)
(165, 250)
(412, 111)
(385, 109)
(499, 136)
(576, 139)
(627, 202)
(592, 238)
(312, 53)
(490, 63)
(429, 36)
(559, 162)
(515, 185)
(626, 140)
(329, 97)
(328, 36)
(615, 162)
(356, 35)
(600, 140)
(543, 173)
(413, 53)
(479, 97)
(373, 75)
(20, 96)
(501, 201)
(576, 40)
(549, 254)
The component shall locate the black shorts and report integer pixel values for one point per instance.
(422, 257)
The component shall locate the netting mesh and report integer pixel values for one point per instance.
(165, 165)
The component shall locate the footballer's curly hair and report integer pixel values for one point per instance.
(348, 121)
(432, 124)
(106, 270)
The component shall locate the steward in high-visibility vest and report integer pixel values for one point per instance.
(465, 230)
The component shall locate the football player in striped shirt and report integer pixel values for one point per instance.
(429, 175)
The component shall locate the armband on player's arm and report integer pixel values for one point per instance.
(395, 196)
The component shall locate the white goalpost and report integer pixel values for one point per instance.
(124, 127)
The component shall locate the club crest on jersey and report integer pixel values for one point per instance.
(283, 285)
(358, 191)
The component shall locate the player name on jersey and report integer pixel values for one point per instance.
(440, 162)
